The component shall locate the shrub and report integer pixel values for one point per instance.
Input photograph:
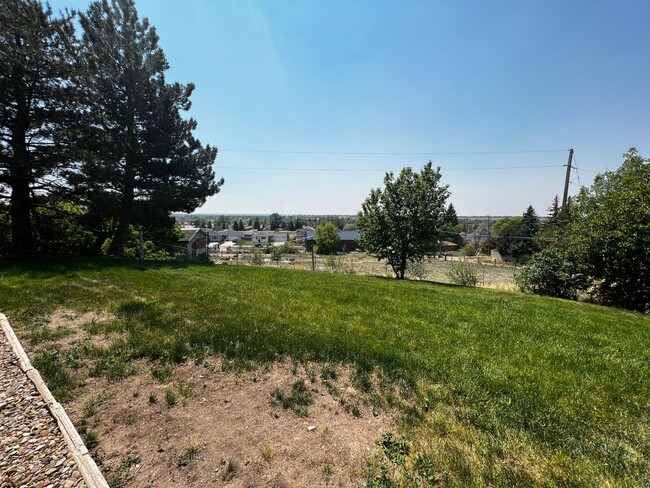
(550, 273)
(335, 263)
(416, 270)
(257, 258)
(464, 273)
(469, 250)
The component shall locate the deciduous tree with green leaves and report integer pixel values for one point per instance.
(610, 233)
(406, 218)
(142, 156)
(327, 238)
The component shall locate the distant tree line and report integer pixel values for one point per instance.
(94, 143)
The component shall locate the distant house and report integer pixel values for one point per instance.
(263, 237)
(194, 243)
(280, 237)
(349, 240)
(448, 246)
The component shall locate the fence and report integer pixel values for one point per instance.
(493, 274)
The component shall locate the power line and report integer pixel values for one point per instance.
(372, 153)
(260, 168)
(575, 165)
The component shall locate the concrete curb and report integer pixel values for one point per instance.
(90, 473)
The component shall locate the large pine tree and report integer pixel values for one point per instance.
(38, 109)
(142, 156)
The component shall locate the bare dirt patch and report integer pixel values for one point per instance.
(223, 429)
(74, 327)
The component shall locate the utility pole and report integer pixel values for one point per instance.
(489, 238)
(566, 180)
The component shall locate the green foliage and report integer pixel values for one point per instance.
(515, 236)
(275, 221)
(395, 447)
(451, 219)
(39, 110)
(257, 257)
(452, 226)
(278, 251)
(469, 250)
(170, 397)
(402, 221)
(298, 401)
(49, 365)
(464, 273)
(610, 233)
(120, 476)
(507, 231)
(161, 372)
(327, 238)
(5, 229)
(551, 273)
(132, 248)
(189, 454)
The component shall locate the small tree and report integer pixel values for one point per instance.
(327, 238)
(256, 224)
(401, 221)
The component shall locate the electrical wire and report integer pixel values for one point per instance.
(575, 166)
(432, 153)
(260, 168)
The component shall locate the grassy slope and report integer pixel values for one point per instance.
(511, 388)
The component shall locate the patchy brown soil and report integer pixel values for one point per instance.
(224, 430)
(228, 418)
(75, 325)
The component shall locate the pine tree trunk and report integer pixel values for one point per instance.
(22, 240)
(122, 232)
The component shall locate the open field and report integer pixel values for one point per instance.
(498, 276)
(487, 387)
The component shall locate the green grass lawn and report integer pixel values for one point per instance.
(494, 388)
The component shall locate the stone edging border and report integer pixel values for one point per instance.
(90, 473)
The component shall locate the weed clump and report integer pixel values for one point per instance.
(161, 373)
(55, 374)
(231, 469)
(298, 401)
(188, 455)
(170, 397)
(119, 476)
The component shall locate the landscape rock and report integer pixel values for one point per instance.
(33, 451)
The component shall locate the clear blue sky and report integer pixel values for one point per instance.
(407, 77)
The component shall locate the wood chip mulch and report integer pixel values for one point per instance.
(33, 452)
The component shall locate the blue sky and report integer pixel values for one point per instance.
(436, 78)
